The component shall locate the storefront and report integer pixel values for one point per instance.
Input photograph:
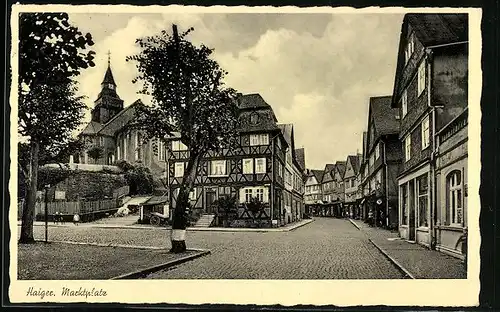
(414, 203)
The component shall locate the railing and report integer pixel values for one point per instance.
(454, 126)
(75, 207)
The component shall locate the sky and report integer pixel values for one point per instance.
(316, 70)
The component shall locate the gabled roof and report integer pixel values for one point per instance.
(91, 128)
(287, 130)
(318, 174)
(251, 101)
(354, 160)
(384, 117)
(300, 157)
(430, 30)
(329, 167)
(250, 104)
(340, 166)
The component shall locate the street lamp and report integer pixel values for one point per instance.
(46, 213)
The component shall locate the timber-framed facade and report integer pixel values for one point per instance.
(257, 168)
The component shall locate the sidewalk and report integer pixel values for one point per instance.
(110, 225)
(415, 260)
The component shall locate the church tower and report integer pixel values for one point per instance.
(108, 103)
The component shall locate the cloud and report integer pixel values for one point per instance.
(317, 71)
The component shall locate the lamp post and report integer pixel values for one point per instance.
(46, 213)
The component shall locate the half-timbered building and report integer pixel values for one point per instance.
(256, 168)
(313, 191)
(383, 154)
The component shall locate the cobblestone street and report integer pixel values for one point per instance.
(323, 249)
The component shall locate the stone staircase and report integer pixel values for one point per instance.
(205, 220)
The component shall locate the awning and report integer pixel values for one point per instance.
(156, 200)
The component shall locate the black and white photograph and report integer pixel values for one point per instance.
(285, 155)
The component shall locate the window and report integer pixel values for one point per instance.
(248, 166)
(259, 139)
(421, 78)
(248, 195)
(125, 139)
(455, 200)
(119, 149)
(177, 145)
(404, 204)
(377, 151)
(408, 147)
(161, 150)
(138, 150)
(260, 165)
(404, 103)
(101, 141)
(218, 168)
(423, 186)
(352, 183)
(179, 170)
(410, 47)
(425, 133)
(192, 194)
(259, 192)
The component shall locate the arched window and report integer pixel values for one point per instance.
(455, 197)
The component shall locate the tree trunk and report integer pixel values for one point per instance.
(29, 207)
(179, 218)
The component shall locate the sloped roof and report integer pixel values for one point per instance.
(384, 116)
(329, 167)
(340, 165)
(91, 128)
(252, 101)
(430, 30)
(120, 120)
(365, 135)
(434, 29)
(287, 130)
(354, 160)
(318, 174)
(156, 200)
(300, 157)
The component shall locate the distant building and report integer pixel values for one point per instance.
(383, 161)
(430, 90)
(339, 189)
(313, 194)
(327, 188)
(351, 183)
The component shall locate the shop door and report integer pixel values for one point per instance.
(411, 210)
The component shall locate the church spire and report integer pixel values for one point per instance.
(108, 77)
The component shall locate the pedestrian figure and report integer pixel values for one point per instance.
(76, 219)
(61, 218)
(56, 217)
(370, 218)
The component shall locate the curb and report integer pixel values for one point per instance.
(193, 229)
(113, 245)
(396, 263)
(354, 223)
(144, 272)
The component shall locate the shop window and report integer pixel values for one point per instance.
(423, 192)
(455, 197)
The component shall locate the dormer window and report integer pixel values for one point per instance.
(111, 86)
